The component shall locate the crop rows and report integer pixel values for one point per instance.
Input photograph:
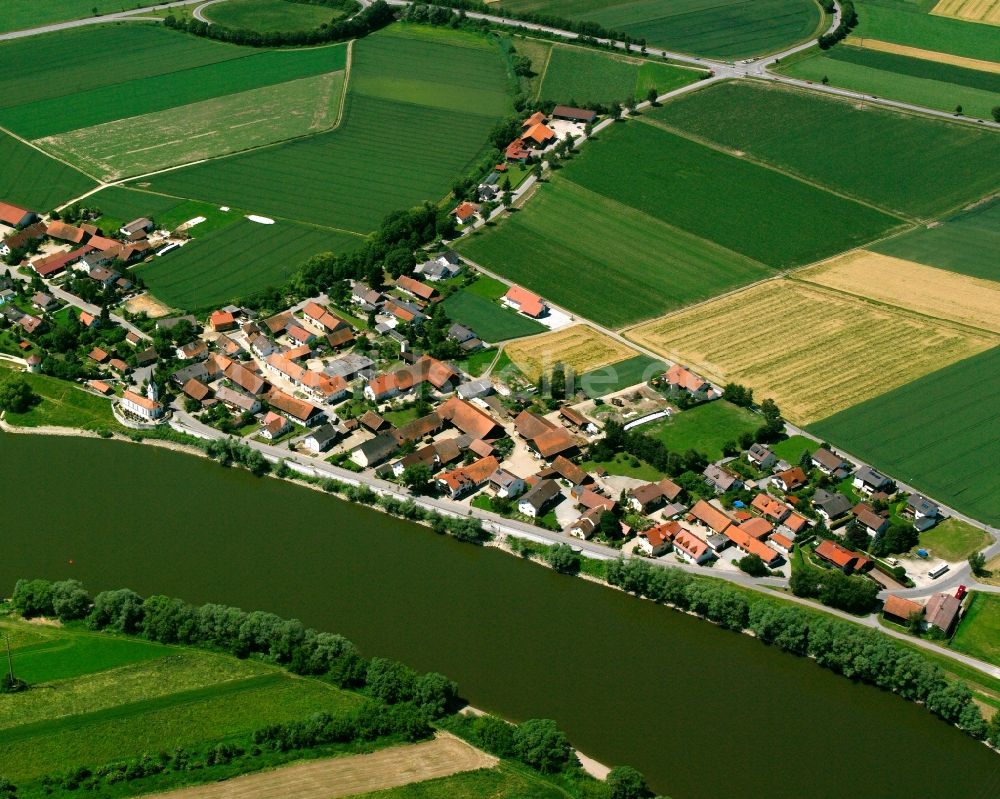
(578, 347)
(905, 25)
(848, 351)
(29, 178)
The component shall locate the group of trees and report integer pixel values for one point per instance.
(16, 395)
(372, 18)
(651, 450)
(848, 19)
(587, 29)
(228, 451)
(845, 648)
(852, 593)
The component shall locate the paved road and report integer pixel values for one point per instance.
(79, 23)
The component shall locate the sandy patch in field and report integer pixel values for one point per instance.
(987, 11)
(915, 287)
(579, 347)
(153, 308)
(926, 55)
(346, 776)
(813, 350)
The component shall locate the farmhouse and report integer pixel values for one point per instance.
(237, 401)
(274, 426)
(416, 288)
(538, 498)
(466, 479)
(221, 321)
(322, 318)
(248, 381)
(658, 540)
(942, 612)
(471, 420)
(196, 390)
(525, 302)
(141, 406)
(692, 548)
(16, 217)
(297, 410)
(900, 609)
(709, 516)
(63, 232)
(52, 265)
(546, 438)
(23, 238)
(842, 558)
(678, 378)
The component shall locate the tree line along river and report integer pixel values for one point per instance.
(704, 713)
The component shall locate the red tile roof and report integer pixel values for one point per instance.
(677, 375)
(528, 303)
(710, 516)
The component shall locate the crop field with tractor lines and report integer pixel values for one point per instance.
(903, 163)
(32, 179)
(845, 351)
(908, 24)
(578, 347)
(727, 29)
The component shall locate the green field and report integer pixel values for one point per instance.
(901, 162)
(237, 260)
(202, 130)
(616, 376)
(704, 428)
(954, 540)
(577, 76)
(35, 68)
(624, 466)
(895, 22)
(791, 448)
(267, 16)
(978, 633)
(716, 28)
(604, 259)
(32, 179)
(506, 781)
(63, 404)
(772, 218)
(175, 85)
(97, 699)
(937, 433)
(491, 321)
(909, 80)
(444, 89)
(23, 14)
(966, 243)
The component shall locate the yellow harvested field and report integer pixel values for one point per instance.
(813, 350)
(927, 55)
(346, 776)
(973, 10)
(912, 286)
(578, 347)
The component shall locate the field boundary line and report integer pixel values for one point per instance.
(774, 168)
(34, 146)
(347, 80)
(545, 70)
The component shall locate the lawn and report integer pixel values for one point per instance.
(604, 259)
(954, 540)
(892, 22)
(623, 374)
(978, 633)
(704, 428)
(268, 16)
(491, 321)
(722, 29)
(173, 86)
(909, 80)
(237, 260)
(966, 243)
(478, 362)
(504, 782)
(210, 128)
(437, 86)
(901, 162)
(29, 178)
(791, 448)
(850, 350)
(624, 466)
(933, 437)
(685, 184)
(487, 287)
(578, 76)
(63, 404)
(24, 14)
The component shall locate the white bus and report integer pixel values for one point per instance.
(935, 573)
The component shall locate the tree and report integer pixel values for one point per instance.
(609, 526)
(417, 476)
(120, 611)
(33, 598)
(752, 565)
(70, 600)
(856, 535)
(16, 395)
(497, 736)
(738, 395)
(625, 782)
(7, 789)
(539, 743)
(390, 681)
(651, 95)
(958, 110)
(977, 562)
(996, 113)
(435, 693)
(563, 559)
(557, 382)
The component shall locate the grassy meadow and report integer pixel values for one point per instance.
(773, 218)
(23, 14)
(902, 78)
(908, 24)
(576, 76)
(623, 374)
(31, 179)
(903, 163)
(605, 259)
(704, 428)
(978, 633)
(237, 260)
(954, 540)
(491, 321)
(847, 351)
(437, 87)
(63, 404)
(967, 243)
(725, 29)
(268, 16)
(934, 433)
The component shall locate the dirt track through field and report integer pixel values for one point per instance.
(926, 55)
(346, 776)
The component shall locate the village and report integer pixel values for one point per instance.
(368, 398)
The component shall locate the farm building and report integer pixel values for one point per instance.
(14, 216)
(571, 114)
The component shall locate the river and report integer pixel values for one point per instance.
(704, 713)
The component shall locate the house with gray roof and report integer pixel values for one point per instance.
(829, 505)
